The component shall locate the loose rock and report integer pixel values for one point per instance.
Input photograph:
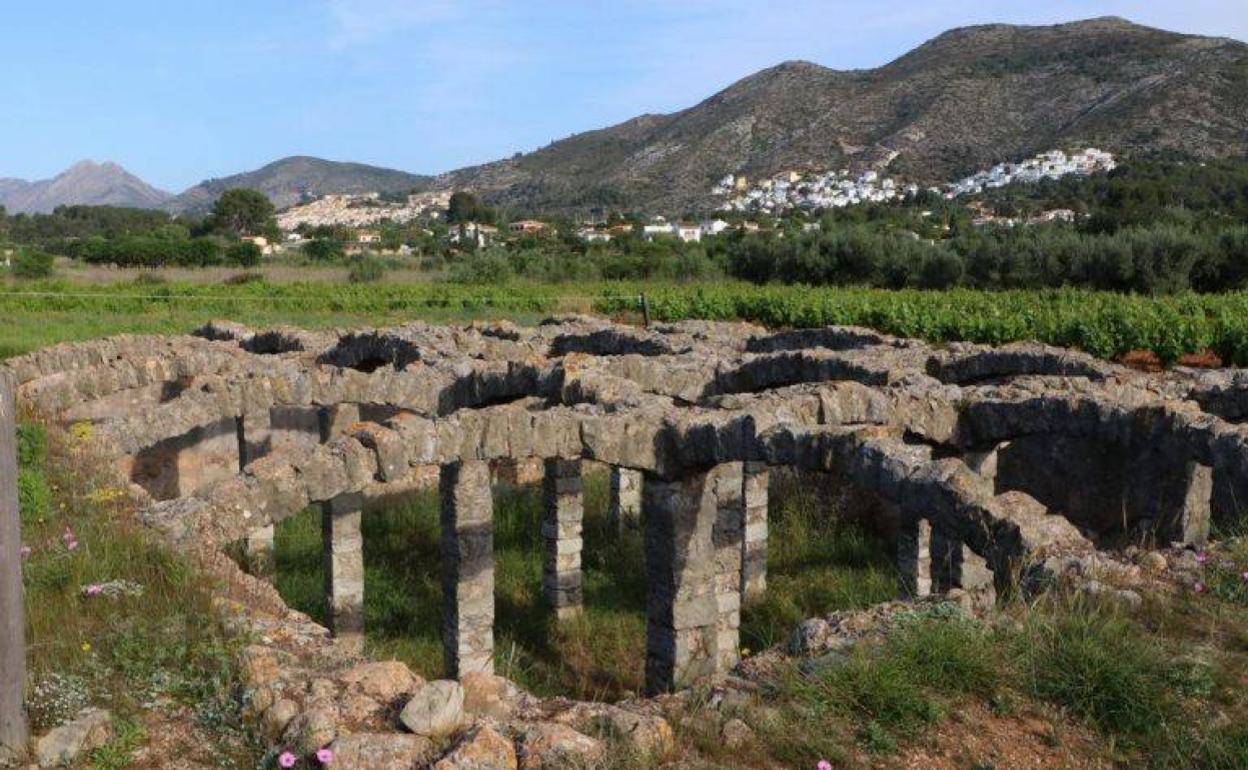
(436, 709)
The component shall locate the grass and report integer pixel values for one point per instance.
(1103, 323)
(599, 655)
(148, 639)
(818, 565)
(1163, 688)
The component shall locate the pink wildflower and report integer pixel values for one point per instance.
(24, 552)
(1202, 557)
(95, 589)
(1199, 587)
(287, 760)
(823, 765)
(324, 756)
(69, 539)
(1244, 575)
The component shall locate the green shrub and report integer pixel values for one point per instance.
(366, 270)
(242, 279)
(29, 264)
(244, 254)
(1100, 666)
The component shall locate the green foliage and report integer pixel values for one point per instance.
(1101, 667)
(34, 499)
(366, 270)
(154, 638)
(29, 264)
(464, 207)
(241, 212)
(888, 691)
(244, 254)
(323, 250)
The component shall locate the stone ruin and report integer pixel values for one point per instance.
(991, 465)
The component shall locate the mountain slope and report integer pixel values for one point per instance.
(86, 183)
(964, 100)
(289, 180)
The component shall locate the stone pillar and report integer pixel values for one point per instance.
(564, 513)
(467, 568)
(755, 479)
(253, 437)
(954, 565)
(681, 614)
(1193, 519)
(259, 553)
(983, 463)
(624, 509)
(344, 568)
(336, 420)
(914, 556)
(727, 537)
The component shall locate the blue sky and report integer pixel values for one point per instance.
(180, 90)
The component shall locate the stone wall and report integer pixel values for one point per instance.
(983, 463)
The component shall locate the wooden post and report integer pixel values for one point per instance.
(13, 730)
(645, 311)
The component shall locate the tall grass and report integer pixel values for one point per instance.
(114, 619)
(598, 655)
(818, 564)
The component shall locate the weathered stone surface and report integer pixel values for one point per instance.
(564, 512)
(490, 695)
(994, 463)
(556, 746)
(62, 745)
(681, 611)
(468, 569)
(344, 569)
(383, 680)
(482, 749)
(381, 751)
(435, 709)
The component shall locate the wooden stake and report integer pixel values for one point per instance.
(13, 729)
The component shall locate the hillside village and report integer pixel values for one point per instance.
(362, 210)
(790, 190)
(363, 214)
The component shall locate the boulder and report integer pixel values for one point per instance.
(315, 727)
(382, 680)
(381, 751)
(736, 733)
(436, 709)
(490, 695)
(62, 745)
(275, 719)
(482, 749)
(552, 745)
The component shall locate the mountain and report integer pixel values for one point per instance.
(85, 182)
(962, 101)
(290, 180)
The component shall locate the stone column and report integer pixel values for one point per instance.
(1193, 519)
(344, 569)
(253, 436)
(914, 556)
(947, 554)
(954, 565)
(727, 537)
(624, 509)
(681, 614)
(564, 513)
(755, 479)
(467, 568)
(336, 420)
(259, 553)
(983, 463)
